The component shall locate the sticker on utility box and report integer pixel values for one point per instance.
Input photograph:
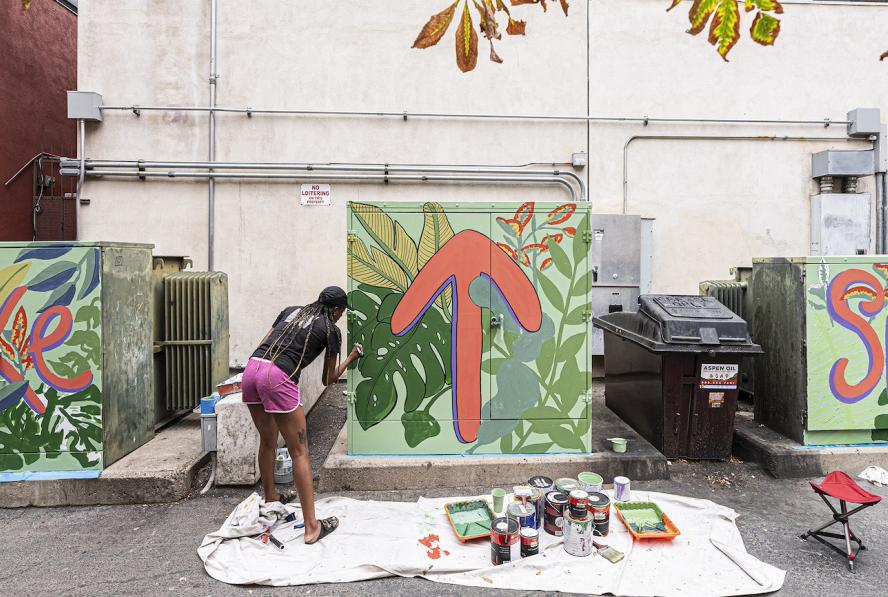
(719, 376)
(316, 194)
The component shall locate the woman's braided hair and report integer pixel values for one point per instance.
(303, 318)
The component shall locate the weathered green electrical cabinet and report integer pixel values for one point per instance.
(475, 324)
(76, 388)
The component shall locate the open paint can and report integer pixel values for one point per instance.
(566, 485)
(578, 535)
(504, 545)
(599, 510)
(525, 514)
(530, 542)
(590, 482)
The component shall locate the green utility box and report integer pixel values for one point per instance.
(76, 375)
(821, 322)
(475, 321)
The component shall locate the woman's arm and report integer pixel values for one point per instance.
(332, 372)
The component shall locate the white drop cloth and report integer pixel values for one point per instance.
(377, 539)
(875, 475)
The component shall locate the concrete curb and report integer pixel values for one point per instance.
(160, 471)
(784, 458)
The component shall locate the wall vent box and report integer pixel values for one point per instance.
(85, 105)
(833, 162)
(821, 379)
(864, 122)
(840, 224)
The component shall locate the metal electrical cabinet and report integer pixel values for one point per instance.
(621, 266)
(475, 322)
(821, 322)
(76, 380)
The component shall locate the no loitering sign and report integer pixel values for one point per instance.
(316, 194)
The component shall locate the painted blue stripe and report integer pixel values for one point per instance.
(48, 475)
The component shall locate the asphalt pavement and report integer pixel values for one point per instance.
(151, 549)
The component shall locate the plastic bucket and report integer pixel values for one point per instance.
(283, 467)
(619, 443)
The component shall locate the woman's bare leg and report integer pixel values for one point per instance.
(293, 428)
(268, 435)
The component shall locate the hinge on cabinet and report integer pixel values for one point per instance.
(587, 397)
(350, 397)
(805, 419)
(587, 236)
(587, 315)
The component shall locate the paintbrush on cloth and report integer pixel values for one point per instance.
(608, 553)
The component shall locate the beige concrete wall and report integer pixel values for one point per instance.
(717, 203)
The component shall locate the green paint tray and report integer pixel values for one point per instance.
(640, 519)
(470, 520)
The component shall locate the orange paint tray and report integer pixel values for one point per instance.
(470, 520)
(640, 512)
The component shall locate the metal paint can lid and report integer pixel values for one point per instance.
(519, 510)
(540, 482)
(529, 533)
(556, 498)
(504, 526)
(567, 485)
(598, 500)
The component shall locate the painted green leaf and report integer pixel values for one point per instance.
(91, 275)
(566, 438)
(572, 346)
(418, 427)
(582, 285)
(517, 390)
(389, 235)
(492, 430)
(53, 276)
(528, 345)
(577, 315)
(883, 397)
(546, 359)
(881, 422)
(90, 315)
(11, 277)
(540, 448)
(420, 359)
(560, 258)
(60, 297)
(374, 268)
(551, 291)
(76, 361)
(506, 444)
(543, 412)
(88, 341)
(570, 385)
(880, 435)
(436, 231)
(492, 365)
(579, 245)
(10, 394)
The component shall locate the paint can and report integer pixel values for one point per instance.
(553, 520)
(599, 510)
(530, 542)
(283, 467)
(544, 484)
(504, 545)
(578, 535)
(566, 485)
(578, 501)
(621, 489)
(522, 493)
(525, 514)
(536, 500)
(590, 482)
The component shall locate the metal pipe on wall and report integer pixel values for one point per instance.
(355, 178)
(880, 216)
(884, 209)
(211, 181)
(81, 179)
(709, 138)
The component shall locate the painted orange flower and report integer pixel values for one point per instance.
(557, 237)
(570, 231)
(881, 268)
(560, 214)
(546, 263)
(859, 292)
(521, 218)
(508, 250)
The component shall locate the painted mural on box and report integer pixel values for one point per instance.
(474, 324)
(50, 359)
(846, 341)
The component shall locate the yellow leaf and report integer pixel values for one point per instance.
(11, 277)
(764, 29)
(699, 14)
(390, 236)
(725, 28)
(434, 30)
(376, 269)
(436, 231)
(466, 42)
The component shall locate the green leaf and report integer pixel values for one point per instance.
(506, 444)
(552, 293)
(570, 385)
(572, 346)
(436, 231)
(11, 394)
(540, 448)
(374, 268)
(582, 285)
(418, 427)
(53, 276)
(878, 435)
(764, 29)
(881, 422)
(528, 345)
(89, 315)
(518, 388)
(546, 359)
(492, 430)
(88, 341)
(580, 246)
(389, 235)
(566, 438)
(543, 412)
(60, 297)
(492, 365)
(576, 316)
(77, 362)
(91, 274)
(560, 258)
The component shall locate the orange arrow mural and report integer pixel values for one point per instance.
(465, 257)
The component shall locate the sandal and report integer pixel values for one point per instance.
(285, 497)
(328, 525)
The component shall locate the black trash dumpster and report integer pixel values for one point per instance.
(672, 371)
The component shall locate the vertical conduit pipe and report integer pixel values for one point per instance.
(80, 180)
(211, 182)
(880, 214)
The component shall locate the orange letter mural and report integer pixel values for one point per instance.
(464, 258)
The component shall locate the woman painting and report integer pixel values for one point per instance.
(270, 389)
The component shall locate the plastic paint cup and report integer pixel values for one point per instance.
(590, 482)
(499, 498)
(619, 443)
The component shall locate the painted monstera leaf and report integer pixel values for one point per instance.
(415, 365)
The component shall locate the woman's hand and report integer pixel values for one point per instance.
(356, 353)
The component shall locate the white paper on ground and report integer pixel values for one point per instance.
(875, 475)
(377, 539)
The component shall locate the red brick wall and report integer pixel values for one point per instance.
(38, 65)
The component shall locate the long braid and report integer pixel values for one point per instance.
(304, 318)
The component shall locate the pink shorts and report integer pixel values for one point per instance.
(264, 383)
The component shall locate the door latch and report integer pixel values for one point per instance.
(496, 321)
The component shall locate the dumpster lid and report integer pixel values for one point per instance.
(680, 323)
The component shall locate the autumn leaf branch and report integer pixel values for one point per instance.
(723, 18)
